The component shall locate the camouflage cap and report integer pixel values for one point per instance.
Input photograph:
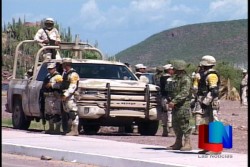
(159, 68)
(179, 65)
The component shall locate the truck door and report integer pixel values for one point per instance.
(34, 88)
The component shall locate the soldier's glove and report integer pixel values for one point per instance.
(48, 85)
(46, 42)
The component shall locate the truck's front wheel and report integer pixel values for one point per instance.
(19, 120)
(148, 128)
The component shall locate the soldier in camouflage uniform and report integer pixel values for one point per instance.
(51, 91)
(208, 90)
(166, 86)
(180, 105)
(158, 74)
(69, 86)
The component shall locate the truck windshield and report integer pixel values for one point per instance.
(103, 71)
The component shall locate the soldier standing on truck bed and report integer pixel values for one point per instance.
(51, 92)
(48, 35)
(69, 86)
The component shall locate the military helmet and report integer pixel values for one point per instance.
(207, 60)
(138, 66)
(51, 65)
(49, 23)
(179, 64)
(168, 66)
(244, 71)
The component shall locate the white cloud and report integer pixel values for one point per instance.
(148, 5)
(177, 23)
(91, 16)
(227, 9)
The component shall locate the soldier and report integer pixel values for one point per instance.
(48, 35)
(158, 74)
(180, 104)
(166, 86)
(51, 91)
(244, 88)
(208, 92)
(69, 86)
(139, 70)
(195, 104)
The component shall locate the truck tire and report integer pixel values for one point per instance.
(148, 128)
(19, 120)
(129, 129)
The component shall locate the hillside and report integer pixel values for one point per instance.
(226, 40)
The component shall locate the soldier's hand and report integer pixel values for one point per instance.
(46, 42)
(57, 42)
(171, 105)
(48, 85)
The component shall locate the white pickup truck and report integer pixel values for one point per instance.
(108, 94)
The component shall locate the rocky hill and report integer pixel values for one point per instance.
(226, 40)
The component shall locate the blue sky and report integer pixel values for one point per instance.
(119, 24)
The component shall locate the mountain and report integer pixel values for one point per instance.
(226, 41)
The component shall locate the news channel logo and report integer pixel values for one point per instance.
(215, 136)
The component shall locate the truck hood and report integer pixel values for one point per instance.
(123, 84)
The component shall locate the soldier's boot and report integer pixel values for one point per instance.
(196, 131)
(176, 146)
(51, 128)
(178, 143)
(74, 131)
(165, 131)
(171, 132)
(187, 146)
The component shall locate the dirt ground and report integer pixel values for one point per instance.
(230, 113)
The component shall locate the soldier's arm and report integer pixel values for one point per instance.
(184, 92)
(39, 36)
(74, 78)
(212, 81)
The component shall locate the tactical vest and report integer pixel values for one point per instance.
(169, 87)
(203, 88)
(47, 80)
(66, 81)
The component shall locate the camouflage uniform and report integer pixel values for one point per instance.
(51, 90)
(208, 91)
(181, 107)
(244, 88)
(167, 87)
(69, 86)
(158, 75)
